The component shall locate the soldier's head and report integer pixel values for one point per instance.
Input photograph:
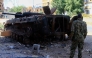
(80, 16)
(74, 18)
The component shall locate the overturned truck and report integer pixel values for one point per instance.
(37, 28)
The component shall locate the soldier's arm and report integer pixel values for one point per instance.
(72, 31)
(85, 30)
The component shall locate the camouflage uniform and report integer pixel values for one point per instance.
(79, 32)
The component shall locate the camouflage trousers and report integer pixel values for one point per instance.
(73, 48)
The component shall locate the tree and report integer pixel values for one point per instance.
(17, 9)
(74, 6)
(60, 4)
(71, 6)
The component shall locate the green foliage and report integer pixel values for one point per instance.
(41, 12)
(1, 26)
(60, 4)
(71, 6)
(17, 9)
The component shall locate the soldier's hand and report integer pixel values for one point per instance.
(70, 37)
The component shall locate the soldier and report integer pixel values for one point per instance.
(70, 24)
(78, 34)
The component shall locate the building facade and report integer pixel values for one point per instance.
(88, 6)
(36, 9)
(46, 3)
(1, 6)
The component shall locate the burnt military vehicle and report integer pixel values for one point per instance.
(30, 28)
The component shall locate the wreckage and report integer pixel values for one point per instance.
(30, 28)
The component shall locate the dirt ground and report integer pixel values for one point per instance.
(13, 49)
